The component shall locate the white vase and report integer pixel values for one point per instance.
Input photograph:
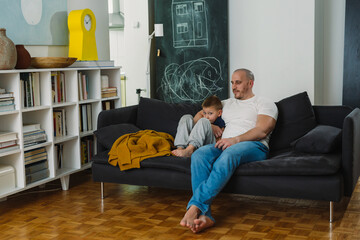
(8, 54)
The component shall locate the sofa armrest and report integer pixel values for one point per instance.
(117, 116)
(351, 151)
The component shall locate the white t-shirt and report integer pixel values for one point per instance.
(241, 115)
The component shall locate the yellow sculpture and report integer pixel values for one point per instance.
(82, 42)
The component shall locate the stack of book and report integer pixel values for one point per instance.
(6, 100)
(33, 134)
(59, 117)
(30, 88)
(108, 92)
(83, 86)
(58, 87)
(36, 165)
(86, 149)
(8, 141)
(85, 117)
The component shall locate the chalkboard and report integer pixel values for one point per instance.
(193, 60)
(351, 82)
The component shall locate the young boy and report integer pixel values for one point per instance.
(194, 132)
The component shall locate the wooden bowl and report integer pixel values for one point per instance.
(51, 62)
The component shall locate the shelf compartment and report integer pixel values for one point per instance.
(64, 153)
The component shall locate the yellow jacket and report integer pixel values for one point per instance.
(130, 149)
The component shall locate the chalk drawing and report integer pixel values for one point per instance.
(192, 81)
(189, 19)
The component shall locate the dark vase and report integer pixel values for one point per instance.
(23, 57)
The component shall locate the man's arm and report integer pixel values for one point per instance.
(264, 125)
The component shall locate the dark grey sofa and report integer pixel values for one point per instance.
(314, 151)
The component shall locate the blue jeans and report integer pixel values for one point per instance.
(211, 169)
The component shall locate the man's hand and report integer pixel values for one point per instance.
(217, 130)
(225, 143)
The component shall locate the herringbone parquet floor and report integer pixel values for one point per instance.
(132, 212)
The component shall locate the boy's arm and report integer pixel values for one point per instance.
(198, 116)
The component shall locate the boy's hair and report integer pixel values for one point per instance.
(212, 101)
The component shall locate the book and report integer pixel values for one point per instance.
(109, 94)
(89, 116)
(36, 158)
(6, 101)
(6, 95)
(99, 63)
(7, 107)
(36, 176)
(36, 88)
(34, 137)
(34, 151)
(60, 128)
(35, 167)
(59, 154)
(84, 118)
(7, 144)
(84, 86)
(10, 148)
(107, 105)
(80, 86)
(31, 127)
(8, 136)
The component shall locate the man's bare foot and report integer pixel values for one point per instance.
(180, 152)
(189, 217)
(202, 223)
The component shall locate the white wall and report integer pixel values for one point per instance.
(136, 48)
(274, 39)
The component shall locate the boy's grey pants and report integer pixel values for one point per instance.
(197, 135)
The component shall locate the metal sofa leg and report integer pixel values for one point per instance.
(331, 211)
(102, 189)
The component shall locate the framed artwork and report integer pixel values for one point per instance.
(35, 22)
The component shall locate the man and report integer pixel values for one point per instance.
(249, 121)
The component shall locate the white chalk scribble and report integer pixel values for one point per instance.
(192, 81)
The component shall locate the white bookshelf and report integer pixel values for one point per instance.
(43, 114)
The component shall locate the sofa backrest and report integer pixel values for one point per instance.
(161, 116)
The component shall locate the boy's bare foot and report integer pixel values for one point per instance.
(189, 217)
(180, 152)
(202, 223)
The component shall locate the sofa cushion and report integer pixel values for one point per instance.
(106, 136)
(321, 139)
(166, 162)
(288, 163)
(294, 164)
(161, 116)
(296, 118)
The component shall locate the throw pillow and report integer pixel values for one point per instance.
(161, 116)
(321, 139)
(106, 136)
(296, 118)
